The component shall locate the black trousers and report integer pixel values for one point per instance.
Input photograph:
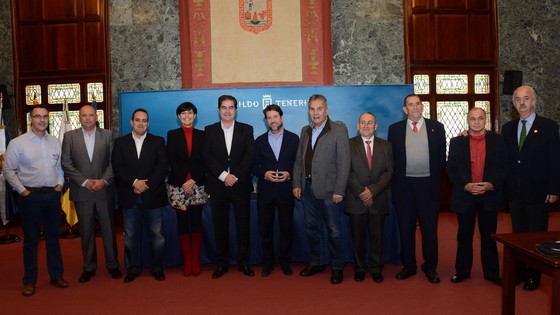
(189, 221)
(221, 204)
(487, 224)
(372, 225)
(268, 207)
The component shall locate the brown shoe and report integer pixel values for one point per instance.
(59, 283)
(28, 289)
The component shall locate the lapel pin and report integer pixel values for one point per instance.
(536, 130)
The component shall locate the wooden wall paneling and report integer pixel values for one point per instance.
(60, 9)
(479, 4)
(29, 10)
(63, 50)
(480, 39)
(94, 46)
(451, 37)
(420, 4)
(451, 4)
(31, 49)
(92, 9)
(422, 38)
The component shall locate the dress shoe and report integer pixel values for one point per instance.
(28, 289)
(287, 270)
(336, 276)
(531, 284)
(377, 277)
(404, 274)
(59, 283)
(359, 276)
(219, 272)
(86, 276)
(433, 277)
(115, 273)
(459, 278)
(495, 280)
(129, 277)
(310, 270)
(266, 271)
(246, 270)
(158, 275)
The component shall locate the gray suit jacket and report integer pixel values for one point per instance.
(331, 161)
(377, 179)
(77, 166)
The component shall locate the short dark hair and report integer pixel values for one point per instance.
(318, 97)
(410, 95)
(225, 98)
(185, 107)
(38, 106)
(272, 107)
(140, 110)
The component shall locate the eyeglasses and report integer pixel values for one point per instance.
(40, 116)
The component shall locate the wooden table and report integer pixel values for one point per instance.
(520, 247)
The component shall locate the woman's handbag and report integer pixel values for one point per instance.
(180, 201)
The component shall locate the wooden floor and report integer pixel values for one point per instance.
(277, 294)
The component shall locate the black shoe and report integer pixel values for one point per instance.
(286, 269)
(404, 274)
(28, 289)
(377, 277)
(359, 276)
(86, 276)
(246, 270)
(336, 276)
(158, 275)
(129, 277)
(457, 278)
(115, 273)
(219, 272)
(531, 284)
(311, 270)
(266, 271)
(433, 277)
(495, 280)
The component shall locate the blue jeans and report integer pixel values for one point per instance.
(41, 206)
(316, 213)
(135, 219)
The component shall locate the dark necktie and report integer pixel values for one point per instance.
(368, 153)
(414, 128)
(523, 134)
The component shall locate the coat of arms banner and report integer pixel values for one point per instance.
(234, 43)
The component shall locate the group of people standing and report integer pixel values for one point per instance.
(328, 172)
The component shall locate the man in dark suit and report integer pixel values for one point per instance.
(275, 152)
(229, 150)
(419, 153)
(140, 164)
(320, 176)
(367, 205)
(86, 161)
(533, 182)
(477, 172)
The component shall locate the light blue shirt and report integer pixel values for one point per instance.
(530, 120)
(276, 142)
(315, 132)
(90, 143)
(33, 162)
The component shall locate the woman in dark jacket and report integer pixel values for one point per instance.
(187, 170)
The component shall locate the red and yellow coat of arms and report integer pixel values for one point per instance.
(255, 15)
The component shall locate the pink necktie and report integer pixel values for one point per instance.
(368, 153)
(414, 128)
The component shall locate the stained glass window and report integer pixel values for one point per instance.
(452, 84)
(55, 121)
(59, 92)
(33, 95)
(426, 110)
(486, 106)
(421, 84)
(453, 116)
(481, 84)
(95, 92)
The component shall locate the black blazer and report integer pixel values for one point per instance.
(179, 161)
(535, 171)
(265, 160)
(152, 165)
(436, 143)
(239, 161)
(459, 172)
